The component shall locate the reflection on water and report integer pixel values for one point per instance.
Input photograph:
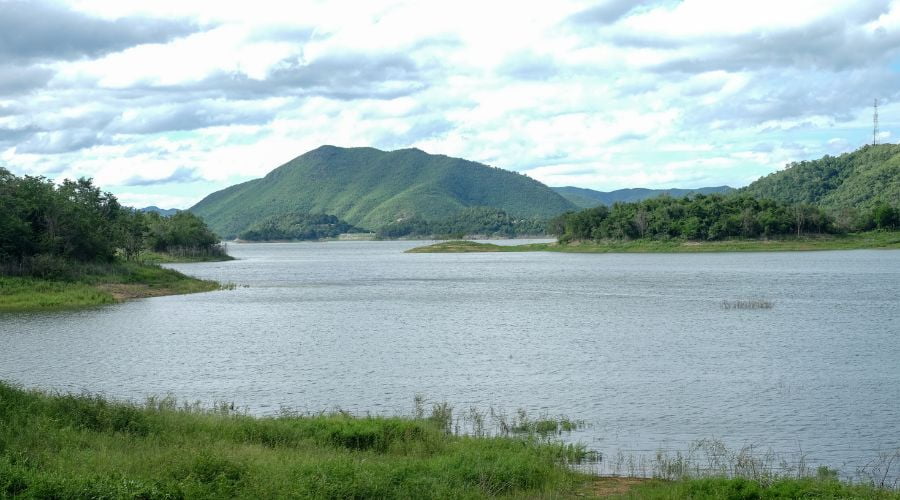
(638, 346)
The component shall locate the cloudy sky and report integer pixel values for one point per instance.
(165, 101)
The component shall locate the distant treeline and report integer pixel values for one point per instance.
(298, 226)
(468, 221)
(45, 227)
(712, 217)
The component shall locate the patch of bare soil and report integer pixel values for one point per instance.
(609, 486)
(125, 291)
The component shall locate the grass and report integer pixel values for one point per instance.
(718, 488)
(22, 294)
(852, 241)
(86, 446)
(79, 446)
(147, 257)
(96, 284)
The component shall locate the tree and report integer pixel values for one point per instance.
(885, 216)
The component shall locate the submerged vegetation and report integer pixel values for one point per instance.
(748, 304)
(72, 245)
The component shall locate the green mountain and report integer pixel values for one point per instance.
(588, 198)
(165, 212)
(369, 188)
(859, 180)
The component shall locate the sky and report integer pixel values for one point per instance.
(164, 102)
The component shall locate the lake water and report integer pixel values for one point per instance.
(637, 346)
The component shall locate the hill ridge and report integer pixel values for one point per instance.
(590, 198)
(369, 188)
(855, 180)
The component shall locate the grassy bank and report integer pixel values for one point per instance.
(87, 447)
(96, 284)
(820, 487)
(83, 446)
(148, 257)
(853, 241)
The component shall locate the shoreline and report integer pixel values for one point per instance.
(89, 445)
(433, 237)
(119, 282)
(853, 241)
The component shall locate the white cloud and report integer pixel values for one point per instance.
(669, 94)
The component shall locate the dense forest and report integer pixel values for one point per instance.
(46, 229)
(369, 188)
(849, 185)
(485, 221)
(297, 226)
(712, 217)
(589, 198)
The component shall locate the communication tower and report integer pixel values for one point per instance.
(875, 123)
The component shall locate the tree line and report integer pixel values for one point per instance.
(712, 217)
(45, 225)
(468, 221)
(297, 226)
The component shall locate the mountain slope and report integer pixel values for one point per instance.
(859, 180)
(588, 198)
(165, 212)
(370, 188)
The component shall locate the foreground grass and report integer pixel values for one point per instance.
(83, 446)
(147, 257)
(97, 284)
(745, 489)
(65, 446)
(853, 241)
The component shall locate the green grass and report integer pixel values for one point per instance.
(96, 284)
(22, 294)
(147, 257)
(746, 489)
(853, 241)
(79, 446)
(85, 446)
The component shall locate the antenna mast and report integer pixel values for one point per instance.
(875, 128)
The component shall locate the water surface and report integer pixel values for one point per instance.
(638, 346)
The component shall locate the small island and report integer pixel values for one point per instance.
(72, 245)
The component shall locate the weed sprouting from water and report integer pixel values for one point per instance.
(711, 458)
(881, 472)
(747, 304)
(495, 422)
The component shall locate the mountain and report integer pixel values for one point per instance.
(165, 212)
(369, 188)
(858, 180)
(588, 198)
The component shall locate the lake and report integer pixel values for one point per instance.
(638, 346)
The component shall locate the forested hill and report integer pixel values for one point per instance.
(588, 198)
(165, 212)
(859, 180)
(369, 188)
